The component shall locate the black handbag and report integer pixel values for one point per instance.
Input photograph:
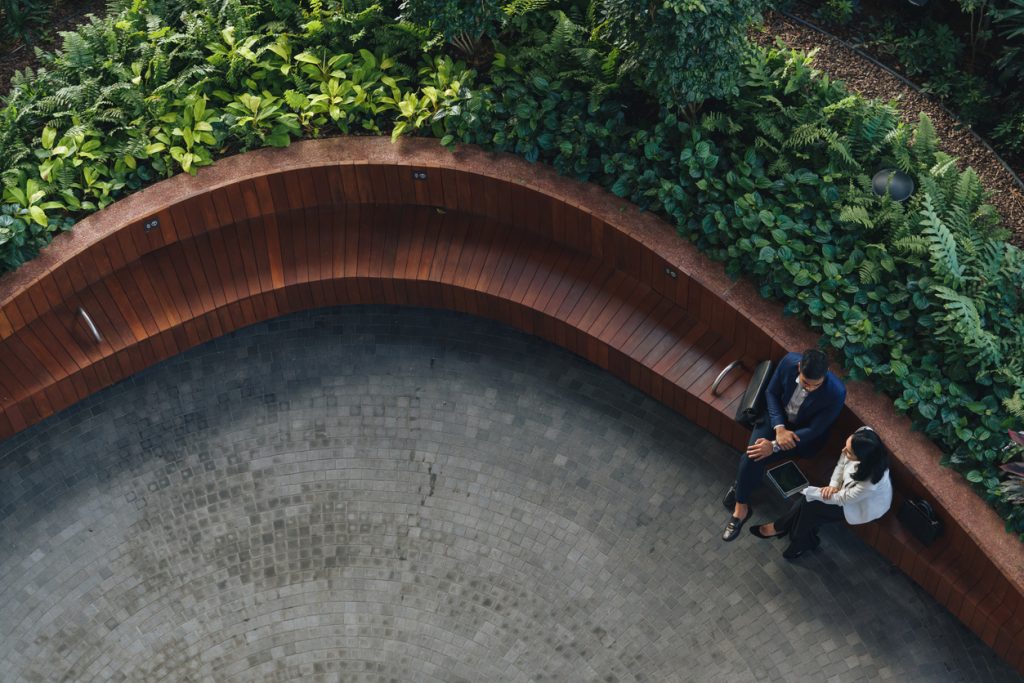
(752, 405)
(918, 517)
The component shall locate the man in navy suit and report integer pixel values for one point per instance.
(804, 399)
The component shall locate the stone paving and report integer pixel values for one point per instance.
(383, 494)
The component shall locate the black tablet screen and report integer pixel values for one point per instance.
(788, 476)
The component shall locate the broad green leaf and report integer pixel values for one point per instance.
(368, 57)
(38, 215)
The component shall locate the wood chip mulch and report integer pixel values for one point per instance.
(864, 77)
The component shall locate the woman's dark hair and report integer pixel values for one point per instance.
(813, 364)
(873, 459)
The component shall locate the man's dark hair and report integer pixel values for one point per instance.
(813, 364)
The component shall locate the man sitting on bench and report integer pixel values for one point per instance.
(803, 401)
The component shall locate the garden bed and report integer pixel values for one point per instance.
(860, 75)
(66, 16)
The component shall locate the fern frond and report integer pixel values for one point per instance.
(778, 167)
(941, 244)
(900, 152)
(518, 8)
(926, 141)
(969, 191)
(805, 134)
(963, 319)
(839, 148)
(911, 245)
(869, 272)
(943, 165)
(76, 50)
(856, 214)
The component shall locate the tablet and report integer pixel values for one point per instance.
(787, 479)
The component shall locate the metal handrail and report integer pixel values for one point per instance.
(90, 324)
(722, 374)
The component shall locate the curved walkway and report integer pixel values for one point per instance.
(382, 494)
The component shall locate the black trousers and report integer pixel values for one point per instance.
(750, 472)
(804, 518)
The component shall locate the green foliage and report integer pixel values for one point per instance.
(1009, 22)
(924, 297)
(966, 53)
(23, 20)
(462, 22)
(1009, 134)
(836, 11)
(686, 51)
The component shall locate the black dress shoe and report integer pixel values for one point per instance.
(729, 502)
(735, 525)
(792, 553)
(756, 530)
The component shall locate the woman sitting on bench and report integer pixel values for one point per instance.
(860, 491)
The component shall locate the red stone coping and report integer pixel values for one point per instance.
(977, 570)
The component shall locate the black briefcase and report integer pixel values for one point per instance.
(753, 402)
(918, 517)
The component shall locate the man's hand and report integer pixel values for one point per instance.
(761, 448)
(786, 439)
(828, 491)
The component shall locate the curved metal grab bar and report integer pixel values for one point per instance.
(91, 325)
(722, 374)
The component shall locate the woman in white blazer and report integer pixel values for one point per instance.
(860, 491)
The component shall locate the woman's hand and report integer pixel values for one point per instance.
(828, 491)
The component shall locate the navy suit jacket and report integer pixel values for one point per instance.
(819, 410)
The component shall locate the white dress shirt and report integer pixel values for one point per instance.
(795, 401)
(862, 501)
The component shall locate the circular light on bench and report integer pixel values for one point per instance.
(897, 184)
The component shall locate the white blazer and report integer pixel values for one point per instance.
(862, 501)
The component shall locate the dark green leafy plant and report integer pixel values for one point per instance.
(463, 23)
(23, 20)
(1009, 22)
(685, 51)
(836, 11)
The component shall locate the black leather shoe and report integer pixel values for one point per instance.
(735, 525)
(729, 502)
(792, 553)
(756, 531)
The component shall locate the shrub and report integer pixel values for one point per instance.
(23, 20)
(462, 22)
(684, 51)
(836, 11)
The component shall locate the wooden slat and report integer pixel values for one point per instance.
(368, 233)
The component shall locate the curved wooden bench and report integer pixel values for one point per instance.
(357, 220)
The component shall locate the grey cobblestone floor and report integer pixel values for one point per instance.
(379, 494)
